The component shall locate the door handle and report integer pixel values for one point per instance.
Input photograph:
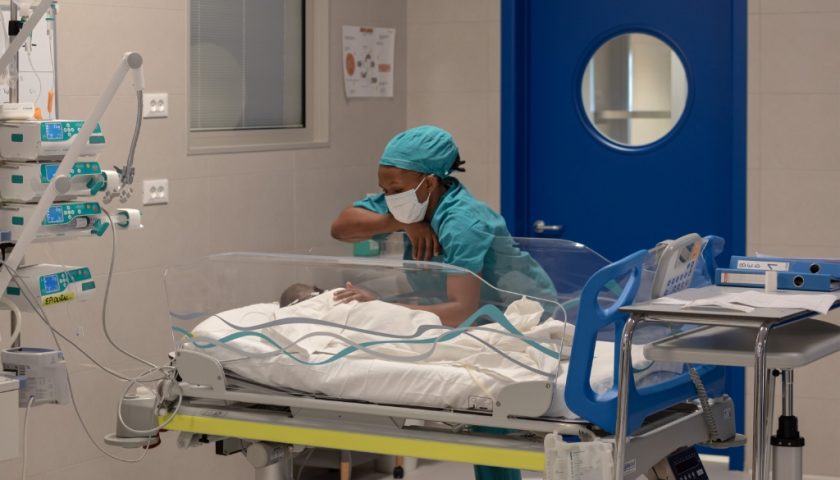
(540, 227)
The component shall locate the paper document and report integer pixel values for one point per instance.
(368, 61)
(746, 300)
(578, 461)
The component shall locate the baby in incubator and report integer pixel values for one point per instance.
(299, 292)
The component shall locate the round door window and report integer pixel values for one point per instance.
(634, 89)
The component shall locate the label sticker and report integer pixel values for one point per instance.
(743, 278)
(480, 403)
(629, 466)
(57, 298)
(758, 265)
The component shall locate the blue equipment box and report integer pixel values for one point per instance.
(786, 280)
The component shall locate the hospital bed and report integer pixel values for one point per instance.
(269, 380)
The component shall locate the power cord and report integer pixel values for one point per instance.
(107, 296)
(25, 435)
(702, 395)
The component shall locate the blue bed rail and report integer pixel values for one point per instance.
(601, 409)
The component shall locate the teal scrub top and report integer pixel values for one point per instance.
(474, 237)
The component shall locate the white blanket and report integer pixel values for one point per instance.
(460, 373)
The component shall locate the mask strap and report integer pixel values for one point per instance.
(425, 176)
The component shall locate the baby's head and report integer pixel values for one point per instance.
(298, 292)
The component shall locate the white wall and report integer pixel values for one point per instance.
(261, 201)
(454, 82)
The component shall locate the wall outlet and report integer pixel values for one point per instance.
(155, 105)
(155, 192)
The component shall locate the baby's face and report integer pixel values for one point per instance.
(310, 292)
(307, 293)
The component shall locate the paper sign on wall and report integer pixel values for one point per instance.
(368, 61)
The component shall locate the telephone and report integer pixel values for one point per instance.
(677, 261)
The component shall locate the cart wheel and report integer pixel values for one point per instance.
(399, 472)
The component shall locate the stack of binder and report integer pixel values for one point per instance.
(810, 274)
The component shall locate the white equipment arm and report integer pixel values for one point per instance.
(24, 33)
(131, 62)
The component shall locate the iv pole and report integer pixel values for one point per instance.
(12, 50)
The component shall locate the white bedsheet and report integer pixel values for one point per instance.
(460, 374)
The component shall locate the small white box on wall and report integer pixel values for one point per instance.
(9, 419)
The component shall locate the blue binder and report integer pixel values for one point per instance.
(786, 280)
(801, 265)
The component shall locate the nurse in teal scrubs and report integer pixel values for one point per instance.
(443, 223)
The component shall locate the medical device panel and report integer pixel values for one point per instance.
(25, 182)
(65, 220)
(45, 140)
(42, 373)
(17, 111)
(62, 220)
(51, 285)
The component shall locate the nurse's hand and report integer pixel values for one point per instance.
(424, 241)
(351, 293)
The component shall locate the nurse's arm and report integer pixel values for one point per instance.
(355, 224)
(464, 293)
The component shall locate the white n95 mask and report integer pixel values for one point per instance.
(405, 207)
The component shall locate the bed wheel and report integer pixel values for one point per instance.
(399, 472)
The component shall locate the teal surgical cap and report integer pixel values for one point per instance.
(425, 149)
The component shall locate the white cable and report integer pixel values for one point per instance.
(29, 296)
(37, 77)
(107, 296)
(493, 287)
(73, 402)
(151, 431)
(17, 319)
(133, 381)
(25, 434)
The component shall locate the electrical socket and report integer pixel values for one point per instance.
(155, 192)
(155, 105)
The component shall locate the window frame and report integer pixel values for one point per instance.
(315, 132)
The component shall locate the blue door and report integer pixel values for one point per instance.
(624, 123)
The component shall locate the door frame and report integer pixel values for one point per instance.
(515, 168)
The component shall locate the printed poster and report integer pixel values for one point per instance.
(368, 61)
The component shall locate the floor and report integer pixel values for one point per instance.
(458, 471)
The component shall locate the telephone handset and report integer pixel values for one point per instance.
(677, 260)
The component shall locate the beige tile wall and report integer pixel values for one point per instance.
(453, 82)
(793, 170)
(259, 201)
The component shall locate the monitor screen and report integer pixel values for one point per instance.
(53, 131)
(50, 284)
(54, 215)
(49, 170)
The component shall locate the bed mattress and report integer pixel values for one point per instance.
(461, 374)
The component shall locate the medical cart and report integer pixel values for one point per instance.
(733, 338)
